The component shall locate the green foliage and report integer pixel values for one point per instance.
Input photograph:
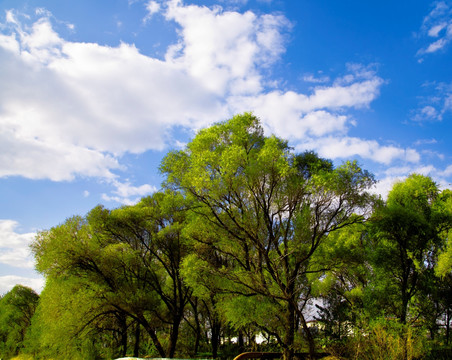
(122, 266)
(244, 237)
(343, 265)
(262, 212)
(444, 211)
(68, 319)
(444, 265)
(384, 339)
(309, 163)
(17, 307)
(405, 236)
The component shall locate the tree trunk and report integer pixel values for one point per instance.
(197, 327)
(308, 336)
(174, 334)
(150, 330)
(240, 341)
(123, 323)
(197, 338)
(215, 341)
(289, 336)
(136, 347)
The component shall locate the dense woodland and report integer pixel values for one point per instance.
(248, 246)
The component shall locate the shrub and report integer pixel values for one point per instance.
(388, 340)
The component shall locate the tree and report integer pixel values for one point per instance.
(125, 263)
(444, 265)
(78, 314)
(207, 290)
(406, 233)
(339, 290)
(153, 229)
(71, 322)
(265, 213)
(17, 307)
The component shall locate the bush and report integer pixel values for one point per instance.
(388, 340)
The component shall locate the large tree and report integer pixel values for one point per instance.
(406, 233)
(265, 211)
(126, 261)
(73, 322)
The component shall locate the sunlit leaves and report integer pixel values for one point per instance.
(260, 214)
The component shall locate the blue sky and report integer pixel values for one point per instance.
(94, 93)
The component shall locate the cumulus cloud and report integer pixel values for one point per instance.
(320, 120)
(82, 105)
(394, 174)
(71, 109)
(224, 50)
(349, 147)
(152, 7)
(7, 282)
(15, 246)
(127, 194)
(448, 171)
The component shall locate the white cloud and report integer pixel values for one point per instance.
(238, 2)
(316, 80)
(152, 7)
(72, 109)
(223, 49)
(436, 105)
(428, 112)
(320, 121)
(14, 246)
(127, 194)
(447, 171)
(435, 46)
(447, 103)
(437, 24)
(384, 186)
(358, 94)
(39, 159)
(425, 142)
(7, 282)
(436, 29)
(349, 147)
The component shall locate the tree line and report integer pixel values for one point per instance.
(246, 241)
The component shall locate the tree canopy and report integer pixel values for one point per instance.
(265, 211)
(246, 240)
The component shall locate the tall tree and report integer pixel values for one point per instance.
(406, 233)
(128, 260)
(265, 213)
(73, 322)
(207, 290)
